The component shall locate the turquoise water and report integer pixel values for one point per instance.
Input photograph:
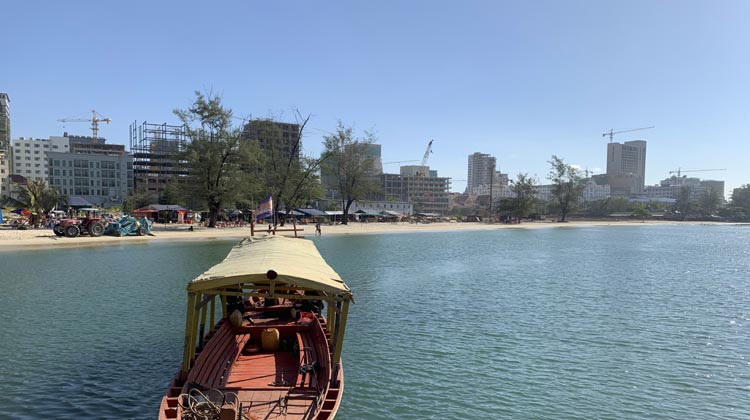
(645, 322)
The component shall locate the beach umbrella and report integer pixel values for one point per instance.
(236, 213)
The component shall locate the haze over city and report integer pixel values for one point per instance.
(519, 81)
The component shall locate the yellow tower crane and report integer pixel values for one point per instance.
(95, 120)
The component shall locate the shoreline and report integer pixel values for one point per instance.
(30, 239)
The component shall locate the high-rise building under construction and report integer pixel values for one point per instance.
(626, 167)
(156, 162)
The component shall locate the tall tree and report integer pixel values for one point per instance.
(214, 153)
(741, 197)
(37, 197)
(683, 206)
(349, 166)
(137, 199)
(289, 176)
(567, 185)
(641, 212)
(524, 191)
(738, 209)
(709, 202)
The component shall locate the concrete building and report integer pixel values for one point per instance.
(591, 192)
(4, 122)
(427, 194)
(595, 192)
(5, 158)
(102, 179)
(155, 149)
(30, 156)
(272, 135)
(481, 169)
(672, 186)
(4, 174)
(626, 167)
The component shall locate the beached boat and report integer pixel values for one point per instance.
(272, 354)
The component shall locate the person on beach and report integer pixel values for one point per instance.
(317, 229)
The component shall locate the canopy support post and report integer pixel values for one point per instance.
(188, 333)
(194, 329)
(202, 327)
(212, 318)
(340, 329)
(339, 341)
(330, 317)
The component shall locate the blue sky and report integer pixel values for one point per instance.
(519, 80)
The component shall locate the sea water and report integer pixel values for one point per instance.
(636, 322)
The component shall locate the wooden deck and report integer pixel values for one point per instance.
(268, 385)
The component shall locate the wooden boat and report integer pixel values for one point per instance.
(272, 354)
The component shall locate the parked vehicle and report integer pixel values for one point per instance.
(90, 224)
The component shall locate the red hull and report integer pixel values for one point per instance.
(266, 385)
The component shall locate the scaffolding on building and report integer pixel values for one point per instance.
(156, 149)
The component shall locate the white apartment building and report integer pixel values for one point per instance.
(591, 192)
(400, 207)
(672, 186)
(498, 191)
(29, 156)
(594, 192)
(481, 170)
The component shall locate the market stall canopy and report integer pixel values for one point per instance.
(367, 212)
(160, 207)
(292, 213)
(292, 261)
(313, 212)
(76, 201)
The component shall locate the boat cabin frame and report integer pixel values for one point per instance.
(271, 268)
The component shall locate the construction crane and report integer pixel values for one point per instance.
(612, 132)
(426, 158)
(679, 171)
(95, 120)
(399, 161)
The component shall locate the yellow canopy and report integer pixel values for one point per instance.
(294, 261)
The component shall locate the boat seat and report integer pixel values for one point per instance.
(211, 367)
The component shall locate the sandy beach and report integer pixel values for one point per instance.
(44, 238)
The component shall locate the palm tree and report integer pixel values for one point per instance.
(37, 197)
